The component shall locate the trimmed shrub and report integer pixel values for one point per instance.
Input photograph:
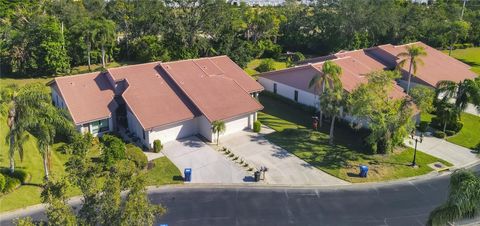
(422, 126)
(450, 132)
(157, 146)
(19, 174)
(135, 154)
(257, 126)
(439, 134)
(10, 184)
(2, 182)
(266, 65)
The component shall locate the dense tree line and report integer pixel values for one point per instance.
(50, 37)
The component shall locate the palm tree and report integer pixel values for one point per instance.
(464, 93)
(330, 71)
(463, 200)
(332, 102)
(16, 103)
(447, 112)
(218, 127)
(413, 56)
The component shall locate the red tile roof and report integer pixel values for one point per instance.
(150, 97)
(437, 65)
(88, 97)
(233, 71)
(163, 93)
(215, 94)
(353, 74)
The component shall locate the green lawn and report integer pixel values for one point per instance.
(341, 160)
(252, 65)
(427, 117)
(469, 56)
(469, 135)
(164, 172)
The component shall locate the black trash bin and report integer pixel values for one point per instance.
(257, 176)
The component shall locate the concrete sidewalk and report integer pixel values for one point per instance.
(457, 155)
(283, 167)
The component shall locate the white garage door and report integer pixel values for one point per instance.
(173, 132)
(236, 124)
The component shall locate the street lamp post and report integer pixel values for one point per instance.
(416, 139)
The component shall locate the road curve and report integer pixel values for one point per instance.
(397, 203)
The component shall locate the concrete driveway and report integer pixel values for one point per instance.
(208, 165)
(283, 167)
(457, 155)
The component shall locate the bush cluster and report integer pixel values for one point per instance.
(10, 181)
(450, 132)
(266, 65)
(453, 126)
(439, 134)
(19, 174)
(135, 154)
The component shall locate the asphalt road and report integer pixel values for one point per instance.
(398, 203)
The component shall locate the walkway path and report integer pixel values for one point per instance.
(283, 167)
(457, 155)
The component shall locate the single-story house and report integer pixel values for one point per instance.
(437, 65)
(164, 101)
(293, 83)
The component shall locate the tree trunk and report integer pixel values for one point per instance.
(11, 124)
(320, 116)
(89, 46)
(45, 163)
(409, 76)
(103, 56)
(218, 137)
(444, 125)
(332, 126)
(12, 164)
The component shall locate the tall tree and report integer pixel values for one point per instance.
(218, 127)
(105, 37)
(463, 200)
(330, 72)
(447, 113)
(332, 101)
(58, 211)
(413, 57)
(388, 119)
(464, 93)
(458, 29)
(23, 106)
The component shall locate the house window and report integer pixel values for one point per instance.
(100, 126)
(275, 88)
(295, 95)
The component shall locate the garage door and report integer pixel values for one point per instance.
(235, 125)
(173, 132)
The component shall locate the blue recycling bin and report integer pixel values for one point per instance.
(188, 174)
(363, 171)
